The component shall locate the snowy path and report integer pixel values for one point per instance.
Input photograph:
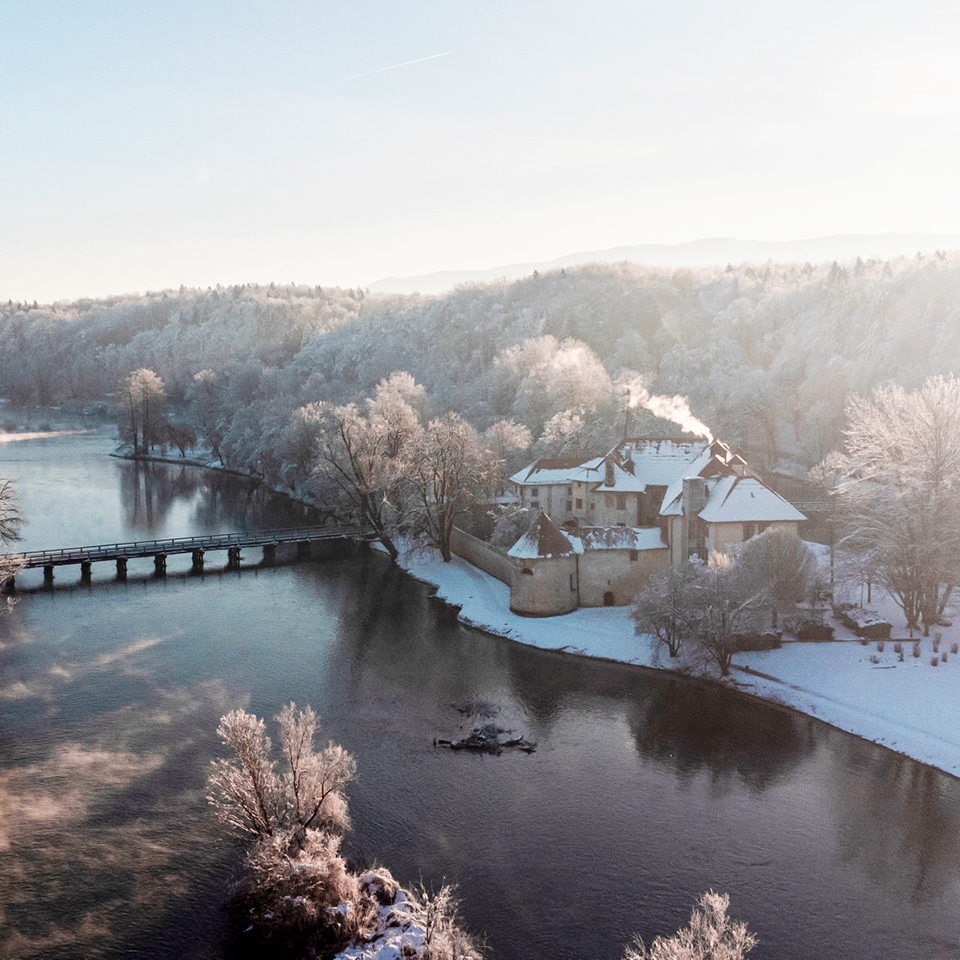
(910, 706)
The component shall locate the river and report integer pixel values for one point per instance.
(645, 791)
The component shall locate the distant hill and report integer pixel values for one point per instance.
(697, 253)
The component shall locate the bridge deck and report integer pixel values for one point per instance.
(176, 545)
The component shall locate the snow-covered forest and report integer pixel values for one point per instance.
(766, 354)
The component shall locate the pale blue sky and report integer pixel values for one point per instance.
(152, 144)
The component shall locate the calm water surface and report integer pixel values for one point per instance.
(645, 791)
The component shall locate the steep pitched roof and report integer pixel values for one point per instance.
(542, 540)
(746, 500)
(656, 461)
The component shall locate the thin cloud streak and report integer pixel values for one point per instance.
(395, 66)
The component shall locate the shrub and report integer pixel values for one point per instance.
(898, 647)
(953, 648)
(808, 629)
(769, 640)
(874, 658)
(298, 897)
(916, 648)
(937, 637)
(943, 656)
(712, 935)
(934, 661)
(864, 642)
(880, 646)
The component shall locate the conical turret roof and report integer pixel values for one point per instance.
(543, 539)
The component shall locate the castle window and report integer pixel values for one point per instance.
(621, 501)
(569, 491)
(569, 505)
(527, 572)
(748, 531)
(579, 504)
(534, 504)
(534, 491)
(634, 556)
(572, 587)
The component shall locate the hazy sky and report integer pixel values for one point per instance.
(149, 144)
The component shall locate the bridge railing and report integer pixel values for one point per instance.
(174, 545)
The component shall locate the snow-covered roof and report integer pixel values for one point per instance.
(657, 462)
(746, 500)
(671, 506)
(623, 482)
(622, 538)
(548, 470)
(544, 539)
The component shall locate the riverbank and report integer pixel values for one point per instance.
(908, 706)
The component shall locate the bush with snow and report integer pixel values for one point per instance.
(298, 897)
(712, 935)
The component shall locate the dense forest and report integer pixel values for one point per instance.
(766, 354)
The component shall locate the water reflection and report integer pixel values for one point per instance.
(695, 726)
(897, 821)
(645, 791)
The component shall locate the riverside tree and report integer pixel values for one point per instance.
(11, 520)
(897, 484)
(667, 608)
(141, 394)
(449, 472)
(362, 455)
(702, 609)
(782, 563)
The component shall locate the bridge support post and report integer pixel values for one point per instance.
(48, 576)
(269, 554)
(121, 568)
(160, 565)
(233, 558)
(197, 557)
(303, 549)
(9, 585)
(85, 571)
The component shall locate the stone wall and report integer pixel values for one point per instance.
(484, 556)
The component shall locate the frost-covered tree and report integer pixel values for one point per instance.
(448, 471)
(711, 935)
(364, 455)
(141, 395)
(729, 602)
(250, 797)
(667, 607)
(898, 486)
(204, 396)
(783, 564)
(11, 520)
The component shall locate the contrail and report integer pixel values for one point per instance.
(394, 67)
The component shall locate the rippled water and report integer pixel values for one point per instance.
(645, 791)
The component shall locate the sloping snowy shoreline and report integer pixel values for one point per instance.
(911, 706)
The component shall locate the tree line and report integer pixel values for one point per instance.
(767, 355)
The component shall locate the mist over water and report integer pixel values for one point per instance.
(645, 790)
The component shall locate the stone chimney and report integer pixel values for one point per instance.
(608, 480)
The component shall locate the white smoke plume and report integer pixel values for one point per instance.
(675, 408)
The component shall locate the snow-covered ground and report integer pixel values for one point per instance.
(909, 706)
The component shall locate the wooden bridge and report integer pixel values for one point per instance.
(159, 550)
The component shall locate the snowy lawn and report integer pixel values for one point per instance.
(911, 707)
